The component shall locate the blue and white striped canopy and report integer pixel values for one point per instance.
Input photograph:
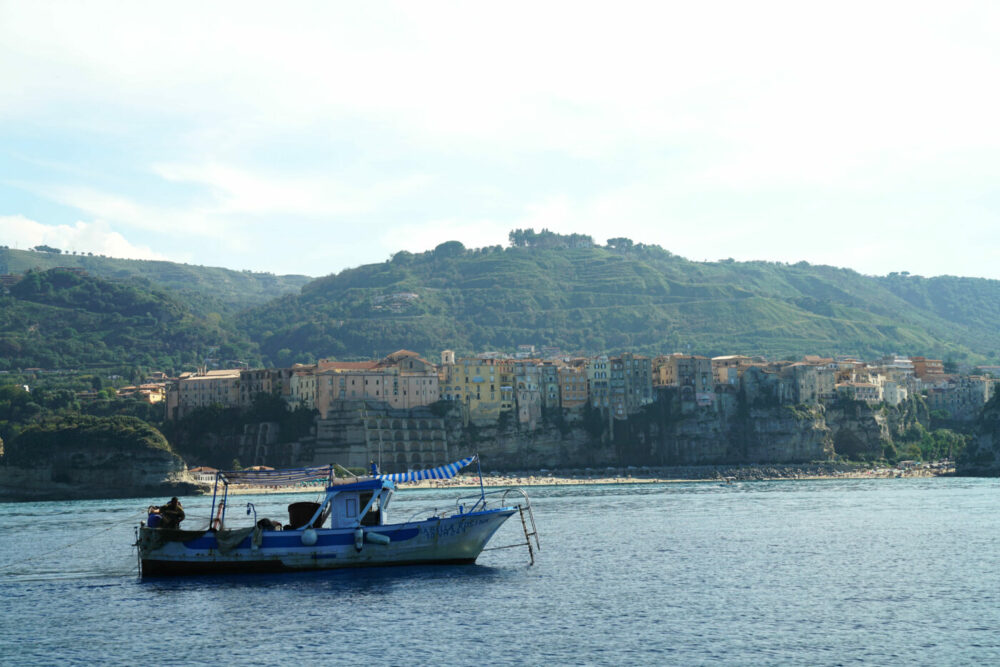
(286, 477)
(441, 472)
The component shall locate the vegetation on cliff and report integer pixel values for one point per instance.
(80, 436)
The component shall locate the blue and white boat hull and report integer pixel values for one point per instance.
(454, 539)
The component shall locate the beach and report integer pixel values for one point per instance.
(656, 475)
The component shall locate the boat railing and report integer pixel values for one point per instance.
(479, 502)
(523, 505)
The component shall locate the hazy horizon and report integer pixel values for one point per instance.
(320, 136)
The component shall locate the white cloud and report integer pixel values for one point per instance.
(566, 77)
(236, 190)
(750, 119)
(125, 211)
(83, 237)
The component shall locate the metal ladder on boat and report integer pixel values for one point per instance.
(527, 518)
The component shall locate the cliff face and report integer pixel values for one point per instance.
(784, 435)
(858, 431)
(669, 432)
(92, 458)
(982, 456)
(664, 435)
(98, 474)
(506, 447)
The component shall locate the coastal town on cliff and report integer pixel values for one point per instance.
(538, 410)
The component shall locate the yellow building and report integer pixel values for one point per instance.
(573, 385)
(478, 385)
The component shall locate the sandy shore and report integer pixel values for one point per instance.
(813, 471)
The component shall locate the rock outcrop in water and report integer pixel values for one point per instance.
(91, 457)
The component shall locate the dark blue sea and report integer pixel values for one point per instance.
(883, 572)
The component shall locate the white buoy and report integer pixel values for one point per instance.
(359, 539)
(377, 538)
(309, 537)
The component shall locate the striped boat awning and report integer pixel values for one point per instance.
(276, 477)
(441, 472)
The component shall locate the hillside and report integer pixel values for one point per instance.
(58, 319)
(206, 289)
(547, 289)
(623, 297)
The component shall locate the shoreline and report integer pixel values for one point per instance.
(664, 475)
(45, 492)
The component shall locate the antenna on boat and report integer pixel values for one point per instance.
(482, 489)
(215, 490)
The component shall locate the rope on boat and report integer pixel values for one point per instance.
(7, 566)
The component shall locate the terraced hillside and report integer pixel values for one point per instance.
(638, 297)
(61, 320)
(206, 289)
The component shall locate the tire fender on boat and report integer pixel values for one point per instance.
(359, 538)
(309, 537)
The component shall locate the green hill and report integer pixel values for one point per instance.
(623, 297)
(547, 289)
(59, 319)
(206, 289)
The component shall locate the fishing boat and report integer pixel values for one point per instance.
(348, 527)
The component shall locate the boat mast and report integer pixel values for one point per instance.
(482, 489)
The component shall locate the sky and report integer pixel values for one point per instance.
(312, 137)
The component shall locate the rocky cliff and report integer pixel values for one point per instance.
(982, 455)
(672, 431)
(508, 447)
(92, 457)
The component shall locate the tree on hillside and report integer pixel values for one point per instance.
(449, 249)
(518, 237)
(45, 248)
(521, 238)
